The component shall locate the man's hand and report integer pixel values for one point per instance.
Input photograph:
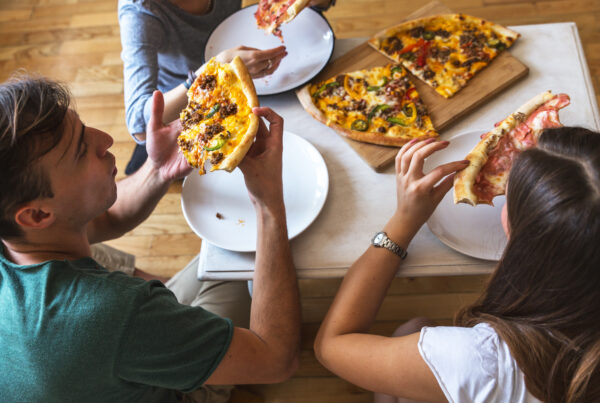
(262, 164)
(417, 193)
(259, 63)
(161, 143)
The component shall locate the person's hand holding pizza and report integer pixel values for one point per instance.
(260, 63)
(262, 164)
(418, 193)
(161, 143)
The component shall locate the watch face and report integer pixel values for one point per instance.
(378, 238)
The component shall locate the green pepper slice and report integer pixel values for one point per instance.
(213, 110)
(396, 69)
(380, 107)
(428, 35)
(377, 87)
(220, 142)
(324, 86)
(396, 121)
(360, 125)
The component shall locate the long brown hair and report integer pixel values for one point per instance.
(544, 296)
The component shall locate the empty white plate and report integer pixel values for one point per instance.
(475, 231)
(308, 39)
(218, 209)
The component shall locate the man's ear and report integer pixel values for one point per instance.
(34, 217)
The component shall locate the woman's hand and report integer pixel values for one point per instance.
(417, 193)
(259, 63)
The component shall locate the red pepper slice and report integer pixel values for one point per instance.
(423, 54)
(408, 48)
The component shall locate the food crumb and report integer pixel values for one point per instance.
(220, 216)
(241, 222)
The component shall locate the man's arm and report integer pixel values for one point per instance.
(343, 345)
(138, 194)
(267, 352)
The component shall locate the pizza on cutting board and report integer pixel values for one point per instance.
(444, 51)
(378, 105)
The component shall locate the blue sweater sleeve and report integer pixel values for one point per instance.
(141, 37)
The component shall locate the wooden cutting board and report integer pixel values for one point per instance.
(501, 73)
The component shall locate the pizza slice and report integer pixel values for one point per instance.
(272, 13)
(218, 123)
(491, 159)
(378, 105)
(445, 51)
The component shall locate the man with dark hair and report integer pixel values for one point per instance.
(72, 331)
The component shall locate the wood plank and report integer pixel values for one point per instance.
(399, 307)
(501, 73)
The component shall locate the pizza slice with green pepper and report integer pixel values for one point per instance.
(378, 106)
(218, 123)
(445, 51)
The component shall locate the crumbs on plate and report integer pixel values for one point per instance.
(241, 222)
(220, 216)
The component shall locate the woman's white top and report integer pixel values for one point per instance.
(472, 364)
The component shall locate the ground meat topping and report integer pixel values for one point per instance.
(213, 129)
(208, 82)
(216, 157)
(185, 145)
(228, 109)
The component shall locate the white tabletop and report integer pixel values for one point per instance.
(361, 201)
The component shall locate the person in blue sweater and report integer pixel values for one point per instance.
(163, 45)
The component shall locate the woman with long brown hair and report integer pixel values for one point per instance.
(535, 332)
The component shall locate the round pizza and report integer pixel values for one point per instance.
(378, 105)
(272, 13)
(445, 51)
(218, 123)
(491, 159)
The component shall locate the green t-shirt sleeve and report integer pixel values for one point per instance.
(171, 345)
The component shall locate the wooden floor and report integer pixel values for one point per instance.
(77, 41)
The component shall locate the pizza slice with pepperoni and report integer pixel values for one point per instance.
(272, 13)
(491, 159)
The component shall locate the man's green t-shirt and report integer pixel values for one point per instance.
(70, 331)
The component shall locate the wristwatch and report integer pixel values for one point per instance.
(381, 240)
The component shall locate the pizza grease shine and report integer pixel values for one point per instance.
(216, 116)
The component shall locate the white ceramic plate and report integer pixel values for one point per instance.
(305, 187)
(474, 231)
(308, 39)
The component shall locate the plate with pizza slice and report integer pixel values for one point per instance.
(309, 41)
(218, 209)
(474, 231)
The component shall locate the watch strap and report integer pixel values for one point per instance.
(392, 246)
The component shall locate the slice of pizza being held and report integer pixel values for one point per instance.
(445, 51)
(378, 105)
(491, 159)
(218, 123)
(272, 13)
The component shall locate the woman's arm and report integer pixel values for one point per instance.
(384, 364)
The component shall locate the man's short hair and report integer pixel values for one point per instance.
(32, 114)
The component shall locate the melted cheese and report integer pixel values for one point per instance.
(227, 90)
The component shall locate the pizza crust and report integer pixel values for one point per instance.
(233, 160)
(464, 180)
